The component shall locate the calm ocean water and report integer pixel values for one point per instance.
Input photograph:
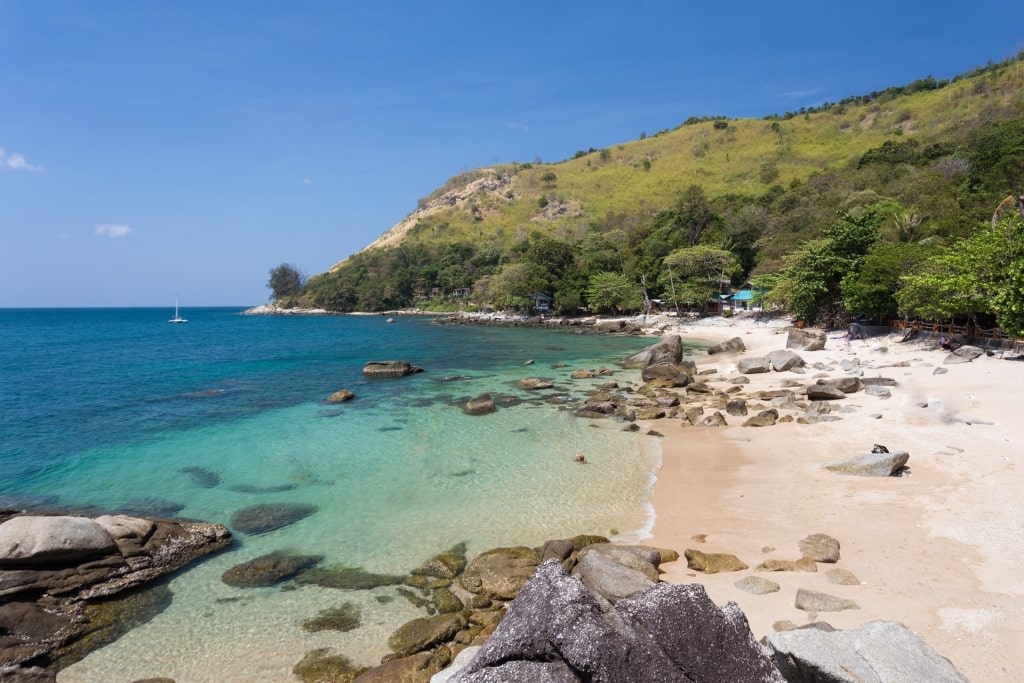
(116, 409)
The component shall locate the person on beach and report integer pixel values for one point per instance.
(580, 458)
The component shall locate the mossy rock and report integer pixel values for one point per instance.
(446, 565)
(268, 570)
(345, 617)
(351, 578)
(319, 666)
(446, 602)
(583, 540)
(425, 632)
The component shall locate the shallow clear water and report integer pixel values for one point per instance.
(108, 408)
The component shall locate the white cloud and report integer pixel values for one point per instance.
(307, 181)
(112, 231)
(16, 161)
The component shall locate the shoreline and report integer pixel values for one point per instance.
(936, 550)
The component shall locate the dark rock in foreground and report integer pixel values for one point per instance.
(557, 631)
(879, 652)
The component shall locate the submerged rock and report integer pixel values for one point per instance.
(352, 578)
(202, 477)
(268, 570)
(481, 405)
(261, 519)
(345, 617)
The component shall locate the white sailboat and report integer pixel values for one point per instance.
(177, 318)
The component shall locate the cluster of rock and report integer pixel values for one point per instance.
(589, 324)
(57, 571)
(674, 388)
(607, 617)
(465, 601)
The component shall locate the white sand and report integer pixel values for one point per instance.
(939, 550)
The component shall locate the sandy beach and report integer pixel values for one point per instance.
(938, 549)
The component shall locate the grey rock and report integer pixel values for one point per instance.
(716, 419)
(533, 383)
(878, 652)
(824, 392)
(664, 370)
(389, 368)
(736, 406)
(879, 391)
(848, 385)
(33, 540)
(964, 354)
(813, 601)
(872, 464)
(842, 577)
(728, 346)
(805, 339)
(753, 365)
(758, 585)
(785, 359)
(662, 634)
(878, 381)
(765, 418)
(940, 371)
(609, 579)
(668, 350)
(820, 548)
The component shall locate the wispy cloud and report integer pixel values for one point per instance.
(307, 181)
(16, 161)
(112, 231)
(518, 126)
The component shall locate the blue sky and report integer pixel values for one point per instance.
(150, 148)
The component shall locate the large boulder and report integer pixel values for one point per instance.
(389, 368)
(805, 340)
(785, 359)
(733, 345)
(963, 354)
(665, 370)
(820, 548)
(500, 573)
(37, 540)
(612, 581)
(56, 565)
(668, 350)
(847, 385)
(872, 464)
(878, 652)
(556, 630)
(533, 383)
(753, 365)
(713, 563)
(824, 392)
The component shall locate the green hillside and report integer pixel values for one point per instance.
(923, 164)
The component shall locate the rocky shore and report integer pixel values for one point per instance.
(769, 430)
(66, 582)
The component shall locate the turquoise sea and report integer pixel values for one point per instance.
(115, 409)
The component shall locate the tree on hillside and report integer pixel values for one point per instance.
(983, 273)
(695, 274)
(613, 293)
(810, 283)
(286, 281)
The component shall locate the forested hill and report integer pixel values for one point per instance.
(920, 165)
